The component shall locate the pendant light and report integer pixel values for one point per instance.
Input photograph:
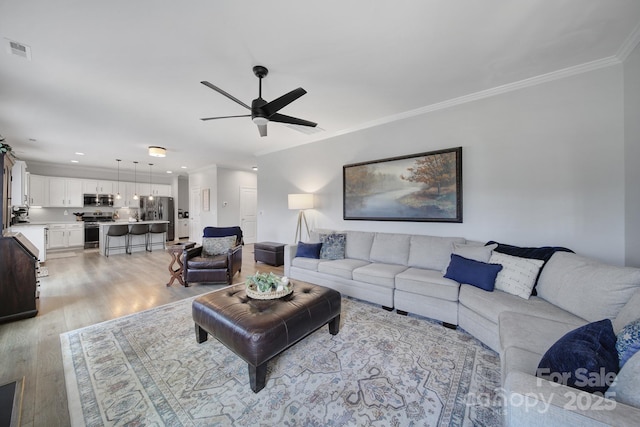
(118, 197)
(150, 187)
(135, 178)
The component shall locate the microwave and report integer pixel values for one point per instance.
(98, 200)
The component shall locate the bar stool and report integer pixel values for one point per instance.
(117, 231)
(138, 230)
(157, 228)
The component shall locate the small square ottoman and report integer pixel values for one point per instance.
(258, 330)
(271, 253)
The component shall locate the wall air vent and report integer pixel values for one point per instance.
(18, 49)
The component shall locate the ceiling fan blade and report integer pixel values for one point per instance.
(281, 118)
(262, 129)
(225, 117)
(220, 91)
(272, 107)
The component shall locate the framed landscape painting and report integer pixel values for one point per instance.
(418, 187)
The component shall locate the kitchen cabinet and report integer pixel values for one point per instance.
(6, 165)
(36, 234)
(38, 194)
(65, 193)
(65, 235)
(19, 188)
(161, 190)
(183, 228)
(127, 191)
(92, 186)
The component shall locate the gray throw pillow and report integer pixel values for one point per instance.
(212, 246)
(333, 246)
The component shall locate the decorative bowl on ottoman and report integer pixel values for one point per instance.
(268, 286)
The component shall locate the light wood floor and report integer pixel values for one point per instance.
(82, 290)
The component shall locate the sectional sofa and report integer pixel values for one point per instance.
(407, 272)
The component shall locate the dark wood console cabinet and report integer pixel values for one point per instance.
(18, 278)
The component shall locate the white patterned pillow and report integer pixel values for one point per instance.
(518, 275)
(212, 246)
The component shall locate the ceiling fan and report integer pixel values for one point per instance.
(262, 111)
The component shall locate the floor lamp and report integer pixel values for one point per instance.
(300, 202)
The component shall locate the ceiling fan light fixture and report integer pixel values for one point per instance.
(260, 121)
(155, 151)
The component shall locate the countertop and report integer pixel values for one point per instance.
(104, 224)
(41, 224)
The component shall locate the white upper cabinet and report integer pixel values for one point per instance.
(65, 193)
(161, 190)
(92, 186)
(38, 190)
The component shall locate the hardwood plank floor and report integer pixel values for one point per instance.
(80, 291)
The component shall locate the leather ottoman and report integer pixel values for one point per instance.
(271, 253)
(257, 330)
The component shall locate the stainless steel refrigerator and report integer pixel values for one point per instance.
(159, 209)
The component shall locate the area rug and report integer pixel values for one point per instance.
(381, 369)
(42, 271)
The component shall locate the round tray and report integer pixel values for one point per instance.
(252, 292)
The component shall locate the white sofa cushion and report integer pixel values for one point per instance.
(628, 314)
(431, 252)
(307, 263)
(314, 235)
(341, 267)
(378, 274)
(490, 304)
(359, 244)
(427, 282)
(390, 248)
(518, 275)
(585, 287)
(626, 387)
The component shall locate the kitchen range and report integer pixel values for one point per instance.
(92, 227)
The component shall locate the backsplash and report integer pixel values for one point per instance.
(58, 214)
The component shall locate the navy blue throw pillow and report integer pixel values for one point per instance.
(472, 272)
(585, 358)
(308, 250)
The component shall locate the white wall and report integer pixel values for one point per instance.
(229, 184)
(541, 166)
(632, 156)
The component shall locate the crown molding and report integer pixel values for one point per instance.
(498, 90)
(629, 44)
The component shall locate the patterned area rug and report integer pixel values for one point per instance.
(381, 369)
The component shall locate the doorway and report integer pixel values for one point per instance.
(249, 213)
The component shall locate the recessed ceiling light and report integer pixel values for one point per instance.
(255, 168)
(75, 161)
(79, 154)
(169, 171)
(183, 167)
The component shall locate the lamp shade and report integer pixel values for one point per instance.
(300, 201)
(157, 151)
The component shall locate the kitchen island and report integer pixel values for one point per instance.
(137, 241)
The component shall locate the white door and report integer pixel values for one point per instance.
(195, 228)
(248, 213)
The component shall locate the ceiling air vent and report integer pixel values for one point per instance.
(19, 49)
